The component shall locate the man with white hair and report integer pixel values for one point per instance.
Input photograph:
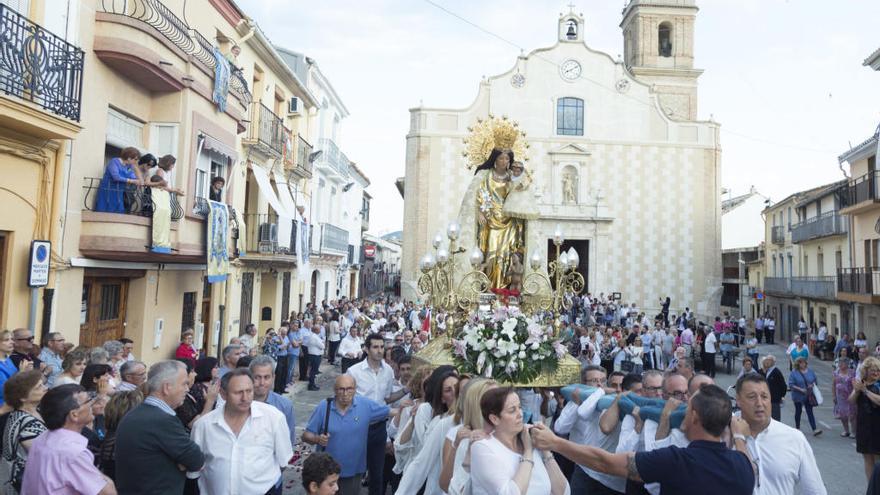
(133, 374)
(777, 384)
(151, 442)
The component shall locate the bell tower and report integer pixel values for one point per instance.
(658, 46)
(571, 27)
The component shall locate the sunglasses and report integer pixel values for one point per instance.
(29, 339)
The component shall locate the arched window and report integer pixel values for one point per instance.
(570, 116)
(664, 39)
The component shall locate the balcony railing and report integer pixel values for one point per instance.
(334, 238)
(303, 152)
(262, 235)
(818, 287)
(779, 285)
(135, 200)
(824, 225)
(267, 128)
(777, 235)
(38, 66)
(157, 15)
(334, 158)
(859, 280)
(863, 188)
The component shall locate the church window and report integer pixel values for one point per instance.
(570, 117)
(664, 38)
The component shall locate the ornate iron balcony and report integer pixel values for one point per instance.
(39, 66)
(136, 200)
(174, 29)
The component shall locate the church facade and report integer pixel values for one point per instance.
(619, 159)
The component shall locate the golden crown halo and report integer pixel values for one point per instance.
(491, 133)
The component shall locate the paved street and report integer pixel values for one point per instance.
(840, 464)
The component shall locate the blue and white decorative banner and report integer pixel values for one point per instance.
(217, 242)
(221, 80)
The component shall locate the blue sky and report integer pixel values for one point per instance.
(784, 78)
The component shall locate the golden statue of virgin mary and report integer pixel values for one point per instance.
(499, 235)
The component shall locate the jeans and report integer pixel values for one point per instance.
(291, 366)
(314, 364)
(334, 346)
(304, 364)
(281, 375)
(797, 415)
(727, 360)
(376, 456)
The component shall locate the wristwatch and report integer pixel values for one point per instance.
(740, 436)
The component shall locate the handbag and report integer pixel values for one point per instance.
(627, 365)
(814, 396)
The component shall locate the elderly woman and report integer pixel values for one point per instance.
(866, 397)
(185, 351)
(203, 390)
(73, 365)
(24, 424)
(117, 407)
(801, 381)
(120, 176)
(114, 350)
(842, 388)
(506, 463)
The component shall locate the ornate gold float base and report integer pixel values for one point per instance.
(439, 352)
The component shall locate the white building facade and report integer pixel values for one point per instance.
(334, 207)
(645, 212)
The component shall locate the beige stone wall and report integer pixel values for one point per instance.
(193, 112)
(648, 186)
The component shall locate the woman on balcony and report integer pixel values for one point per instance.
(121, 175)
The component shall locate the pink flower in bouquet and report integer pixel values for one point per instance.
(458, 348)
(560, 349)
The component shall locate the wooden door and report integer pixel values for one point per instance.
(102, 312)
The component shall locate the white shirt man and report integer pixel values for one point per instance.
(373, 382)
(709, 344)
(581, 423)
(315, 343)
(785, 460)
(246, 443)
(350, 346)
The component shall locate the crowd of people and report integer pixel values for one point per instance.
(646, 415)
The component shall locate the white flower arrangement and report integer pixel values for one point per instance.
(507, 346)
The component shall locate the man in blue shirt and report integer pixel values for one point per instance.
(706, 462)
(345, 435)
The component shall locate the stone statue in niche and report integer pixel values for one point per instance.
(569, 188)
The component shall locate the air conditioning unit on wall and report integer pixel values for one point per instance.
(294, 106)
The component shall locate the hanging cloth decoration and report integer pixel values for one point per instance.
(161, 221)
(217, 245)
(221, 80)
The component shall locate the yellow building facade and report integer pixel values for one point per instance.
(41, 76)
(149, 83)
